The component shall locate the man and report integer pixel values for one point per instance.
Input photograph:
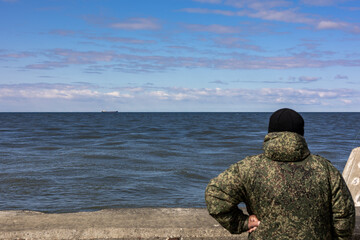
(295, 195)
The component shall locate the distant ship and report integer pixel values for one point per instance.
(105, 111)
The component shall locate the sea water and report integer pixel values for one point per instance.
(68, 162)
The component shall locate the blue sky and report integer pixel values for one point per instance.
(179, 55)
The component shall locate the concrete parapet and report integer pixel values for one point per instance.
(140, 223)
(126, 224)
(351, 175)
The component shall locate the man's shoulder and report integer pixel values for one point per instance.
(262, 157)
(251, 160)
(322, 165)
(320, 160)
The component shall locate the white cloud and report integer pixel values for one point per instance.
(122, 40)
(63, 32)
(137, 24)
(16, 55)
(331, 25)
(235, 42)
(118, 95)
(268, 4)
(263, 95)
(100, 61)
(289, 16)
(261, 9)
(209, 1)
(107, 37)
(306, 96)
(54, 91)
(219, 82)
(214, 28)
(208, 11)
(308, 79)
(323, 2)
(340, 76)
(281, 11)
(150, 96)
(346, 101)
(344, 26)
(159, 94)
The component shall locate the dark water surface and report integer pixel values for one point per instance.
(66, 162)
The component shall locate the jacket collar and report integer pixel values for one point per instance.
(285, 147)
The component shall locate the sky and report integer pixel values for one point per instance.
(179, 55)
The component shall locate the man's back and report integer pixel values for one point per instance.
(294, 194)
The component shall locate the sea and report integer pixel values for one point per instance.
(70, 162)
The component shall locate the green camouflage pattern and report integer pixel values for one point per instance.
(294, 194)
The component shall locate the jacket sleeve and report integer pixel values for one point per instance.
(343, 210)
(222, 196)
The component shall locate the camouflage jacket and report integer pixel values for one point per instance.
(294, 194)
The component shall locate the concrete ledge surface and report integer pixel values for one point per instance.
(125, 223)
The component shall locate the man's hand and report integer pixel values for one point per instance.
(253, 223)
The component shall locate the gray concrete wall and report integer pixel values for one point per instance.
(141, 223)
(126, 224)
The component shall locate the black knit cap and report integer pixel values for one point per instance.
(286, 120)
